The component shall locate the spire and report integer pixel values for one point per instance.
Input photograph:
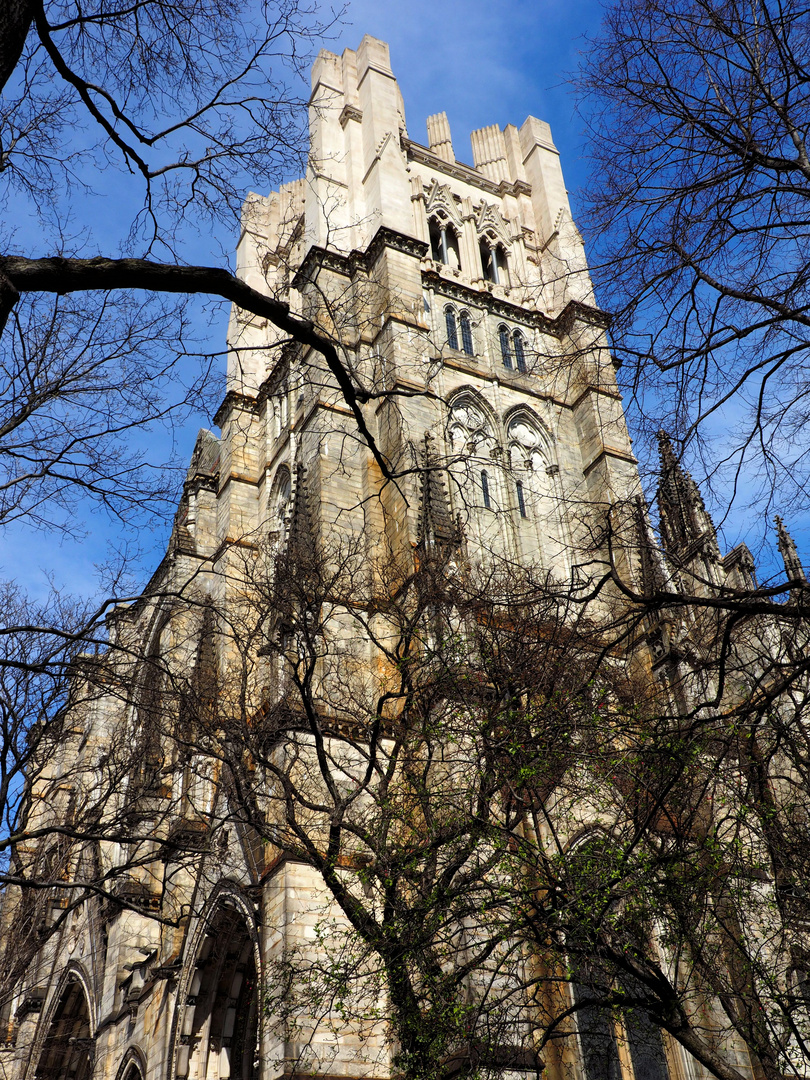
(790, 556)
(204, 675)
(436, 525)
(653, 574)
(684, 518)
(301, 552)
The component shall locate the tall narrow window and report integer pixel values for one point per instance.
(520, 352)
(521, 498)
(597, 1039)
(646, 1045)
(506, 348)
(436, 241)
(452, 331)
(466, 333)
(485, 489)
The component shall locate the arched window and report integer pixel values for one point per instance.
(506, 347)
(520, 351)
(501, 265)
(473, 476)
(68, 1049)
(444, 242)
(452, 330)
(279, 505)
(485, 489)
(466, 333)
(219, 1025)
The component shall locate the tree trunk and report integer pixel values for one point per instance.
(16, 17)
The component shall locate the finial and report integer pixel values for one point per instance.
(790, 556)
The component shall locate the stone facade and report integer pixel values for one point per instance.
(460, 299)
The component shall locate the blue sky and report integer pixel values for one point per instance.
(481, 63)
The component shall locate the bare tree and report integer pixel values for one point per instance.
(533, 847)
(698, 121)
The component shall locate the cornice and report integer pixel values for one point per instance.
(234, 400)
(318, 258)
(459, 171)
(609, 452)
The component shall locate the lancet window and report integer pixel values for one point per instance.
(476, 477)
(604, 1032)
(466, 333)
(451, 327)
(520, 351)
(485, 489)
(536, 500)
(279, 505)
(521, 498)
(506, 348)
(458, 330)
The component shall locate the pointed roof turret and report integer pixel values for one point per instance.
(302, 538)
(685, 522)
(204, 675)
(653, 573)
(790, 556)
(205, 458)
(436, 525)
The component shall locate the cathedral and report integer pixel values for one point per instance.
(344, 552)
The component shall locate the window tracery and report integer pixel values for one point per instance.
(477, 479)
(535, 497)
(279, 505)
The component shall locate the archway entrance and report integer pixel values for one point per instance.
(67, 1053)
(219, 1031)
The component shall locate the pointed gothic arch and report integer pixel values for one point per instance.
(279, 504)
(133, 1065)
(218, 1022)
(67, 1050)
(476, 475)
(536, 498)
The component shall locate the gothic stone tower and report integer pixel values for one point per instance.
(459, 299)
